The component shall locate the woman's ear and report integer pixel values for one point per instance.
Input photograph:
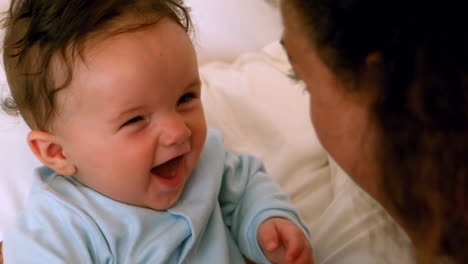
(371, 77)
(46, 148)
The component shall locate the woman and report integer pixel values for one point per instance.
(388, 86)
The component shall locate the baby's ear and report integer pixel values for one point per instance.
(46, 148)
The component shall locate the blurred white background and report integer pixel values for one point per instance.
(4, 5)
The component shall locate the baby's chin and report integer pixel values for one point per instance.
(167, 202)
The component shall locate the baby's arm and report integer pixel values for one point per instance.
(248, 198)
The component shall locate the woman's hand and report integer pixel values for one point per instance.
(283, 242)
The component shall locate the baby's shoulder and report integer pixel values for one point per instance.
(51, 202)
(56, 203)
(52, 220)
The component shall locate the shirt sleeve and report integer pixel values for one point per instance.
(42, 235)
(249, 196)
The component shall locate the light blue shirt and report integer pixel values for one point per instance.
(215, 220)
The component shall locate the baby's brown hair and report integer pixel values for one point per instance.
(40, 32)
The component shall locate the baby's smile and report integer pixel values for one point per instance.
(171, 172)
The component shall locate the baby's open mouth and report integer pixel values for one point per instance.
(168, 169)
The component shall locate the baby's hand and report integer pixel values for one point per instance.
(283, 242)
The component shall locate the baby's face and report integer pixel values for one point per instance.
(132, 120)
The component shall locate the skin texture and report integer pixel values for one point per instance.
(133, 104)
(340, 117)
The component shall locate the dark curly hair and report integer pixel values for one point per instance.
(38, 32)
(421, 106)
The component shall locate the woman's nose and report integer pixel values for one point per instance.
(174, 131)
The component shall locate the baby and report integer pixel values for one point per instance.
(111, 91)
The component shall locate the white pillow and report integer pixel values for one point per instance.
(226, 28)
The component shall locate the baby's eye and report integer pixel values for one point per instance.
(185, 98)
(133, 120)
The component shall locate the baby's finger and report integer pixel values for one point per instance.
(294, 241)
(268, 236)
(304, 258)
(294, 248)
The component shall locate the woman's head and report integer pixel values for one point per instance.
(389, 99)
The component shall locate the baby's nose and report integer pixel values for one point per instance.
(175, 131)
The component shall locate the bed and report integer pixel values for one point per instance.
(247, 95)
